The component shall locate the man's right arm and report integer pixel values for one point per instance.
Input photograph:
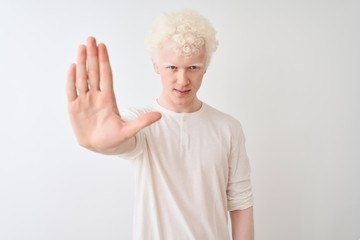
(93, 111)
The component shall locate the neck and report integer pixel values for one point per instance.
(193, 106)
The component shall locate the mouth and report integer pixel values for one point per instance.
(185, 92)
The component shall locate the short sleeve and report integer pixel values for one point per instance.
(239, 189)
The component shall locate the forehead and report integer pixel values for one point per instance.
(167, 54)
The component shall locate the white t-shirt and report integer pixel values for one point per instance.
(191, 168)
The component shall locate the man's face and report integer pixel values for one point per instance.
(181, 79)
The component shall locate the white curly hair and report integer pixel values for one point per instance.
(188, 30)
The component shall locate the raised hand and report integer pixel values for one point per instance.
(94, 115)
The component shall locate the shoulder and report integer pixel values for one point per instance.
(226, 125)
(222, 118)
(132, 113)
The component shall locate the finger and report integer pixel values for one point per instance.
(93, 63)
(70, 84)
(81, 75)
(142, 122)
(106, 79)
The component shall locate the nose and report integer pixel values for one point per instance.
(182, 78)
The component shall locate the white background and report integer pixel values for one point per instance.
(288, 70)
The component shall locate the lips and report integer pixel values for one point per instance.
(184, 92)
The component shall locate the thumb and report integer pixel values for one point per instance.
(143, 121)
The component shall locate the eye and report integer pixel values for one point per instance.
(193, 68)
(172, 67)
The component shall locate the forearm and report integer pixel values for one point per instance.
(242, 224)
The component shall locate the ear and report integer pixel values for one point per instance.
(156, 67)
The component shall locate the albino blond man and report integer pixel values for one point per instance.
(190, 159)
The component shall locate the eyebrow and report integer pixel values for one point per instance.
(194, 64)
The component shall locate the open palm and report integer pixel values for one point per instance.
(94, 115)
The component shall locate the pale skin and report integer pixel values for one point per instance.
(181, 79)
(242, 224)
(96, 120)
(94, 115)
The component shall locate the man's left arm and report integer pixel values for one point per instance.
(242, 224)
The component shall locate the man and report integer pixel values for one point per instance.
(190, 159)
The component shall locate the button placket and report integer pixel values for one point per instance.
(183, 128)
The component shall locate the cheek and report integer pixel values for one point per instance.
(198, 78)
(166, 79)
(165, 76)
